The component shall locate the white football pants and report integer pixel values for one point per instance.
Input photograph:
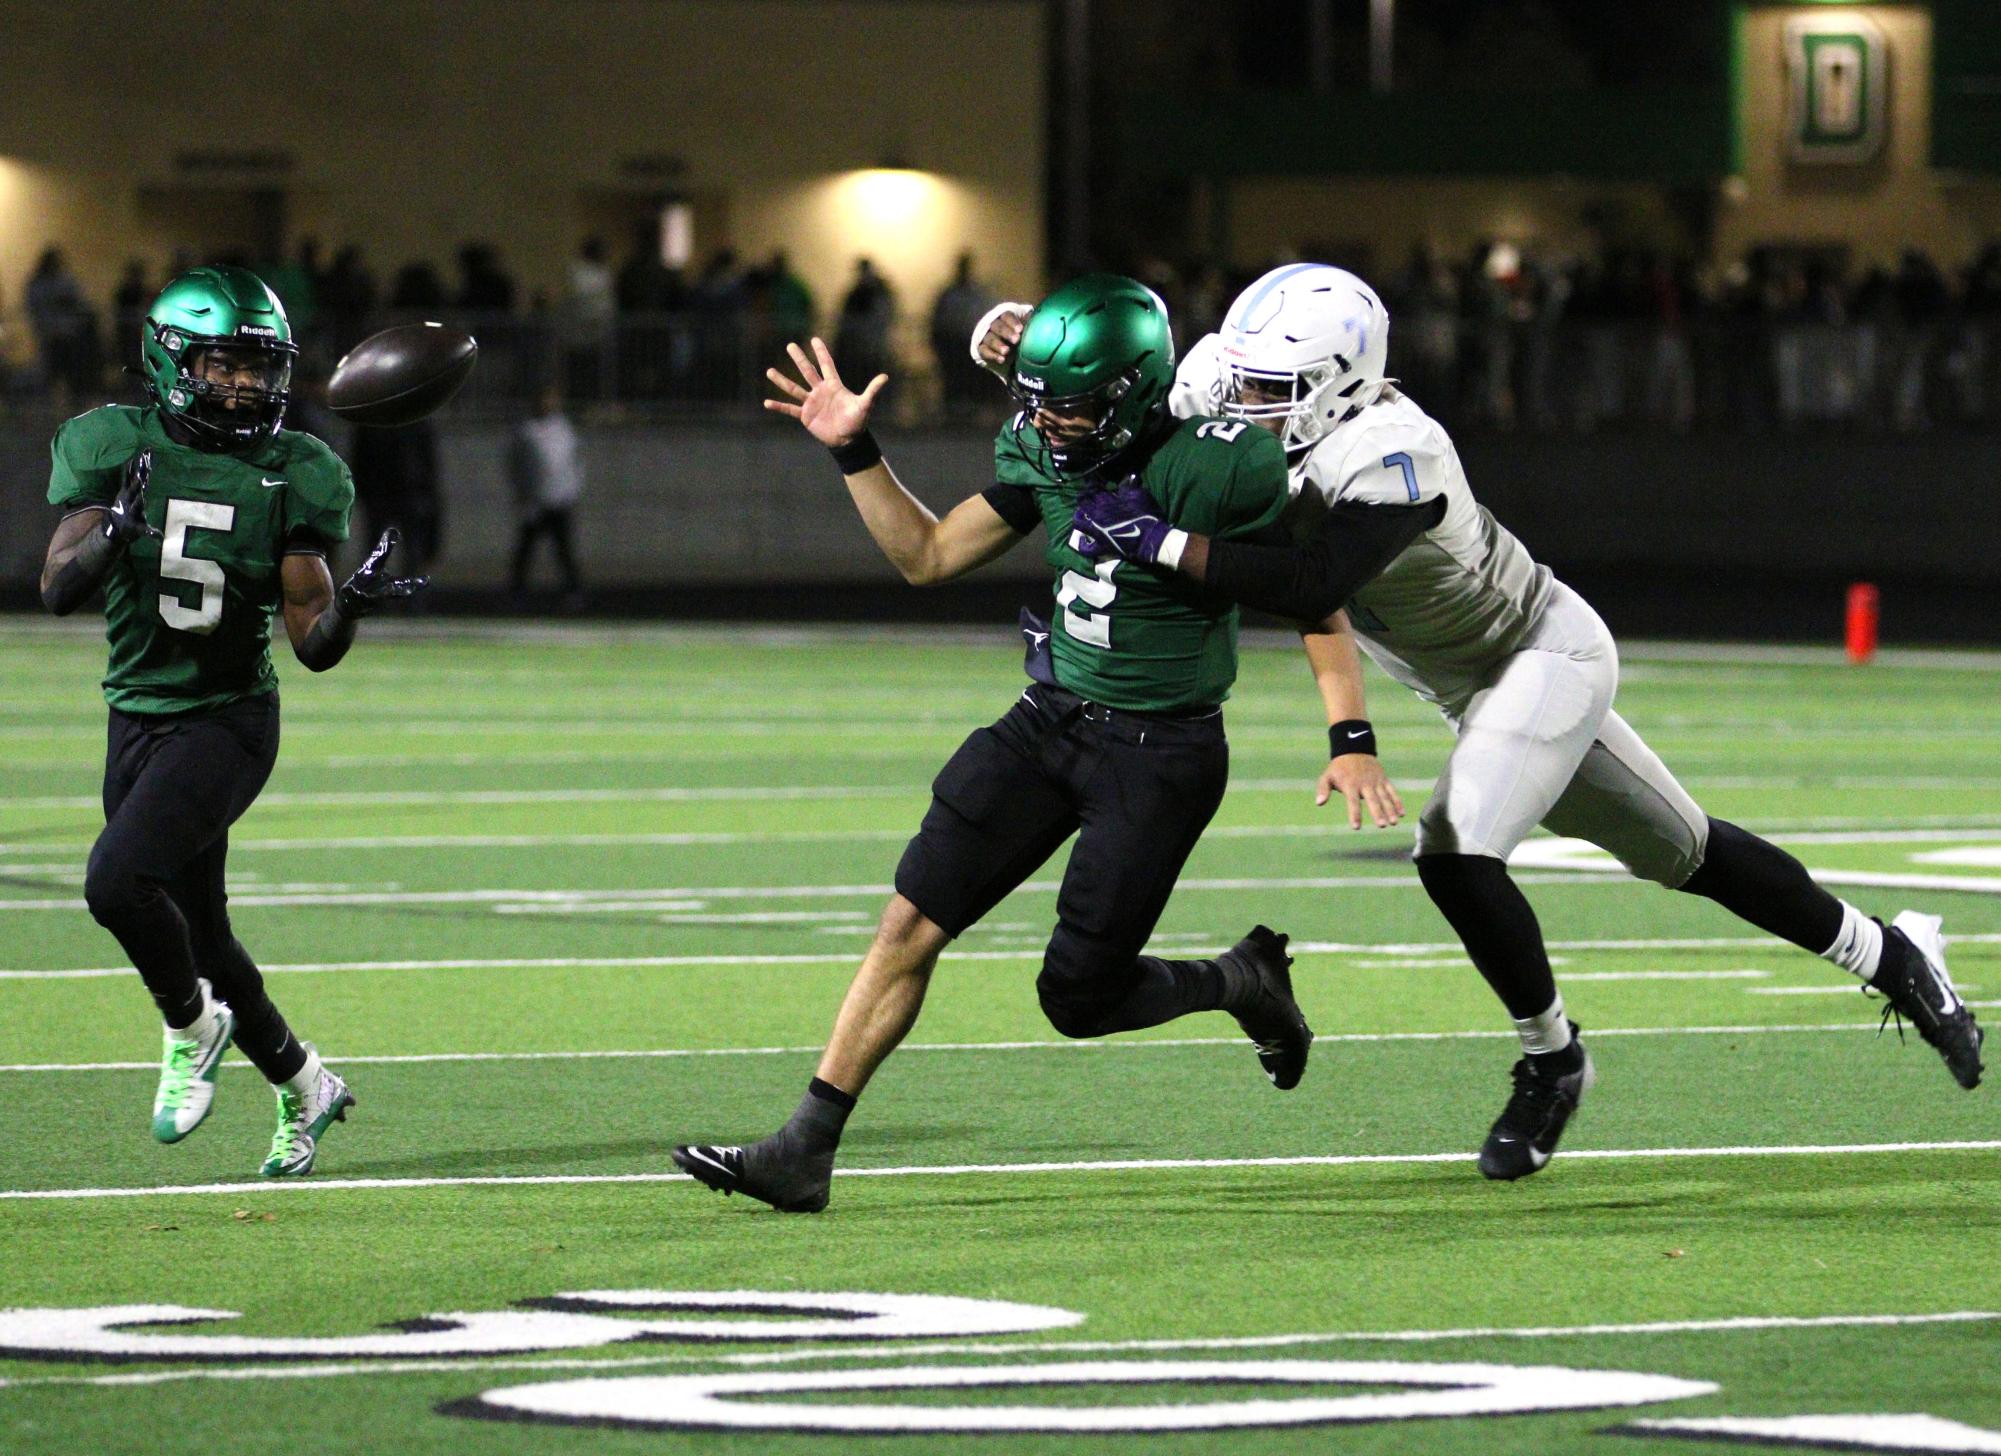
(1540, 744)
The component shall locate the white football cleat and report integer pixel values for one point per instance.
(304, 1117)
(189, 1065)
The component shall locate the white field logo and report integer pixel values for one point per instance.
(744, 1401)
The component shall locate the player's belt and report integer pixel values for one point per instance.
(1092, 712)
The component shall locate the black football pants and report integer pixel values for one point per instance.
(172, 787)
(1136, 789)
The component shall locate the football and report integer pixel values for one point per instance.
(402, 374)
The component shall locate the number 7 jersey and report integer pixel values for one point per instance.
(189, 614)
(1137, 637)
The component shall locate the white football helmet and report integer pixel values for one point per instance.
(1305, 343)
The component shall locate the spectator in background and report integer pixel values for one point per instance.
(587, 322)
(1979, 352)
(417, 289)
(1427, 325)
(484, 286)
(128, 313)
(1923, 299)
(547, 472)
(652, 298)
(1669, 390)
(958, 308)
(396, 484)
(347, 296)
(779, 309)
(721, 301)
(297, 284)
(861, 342)
(65, 328)
(789, 302)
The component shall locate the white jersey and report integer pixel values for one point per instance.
(1459, 598)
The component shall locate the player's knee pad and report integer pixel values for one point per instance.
(1080, 984)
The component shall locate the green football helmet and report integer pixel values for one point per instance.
(1098, 346)
(217, 353)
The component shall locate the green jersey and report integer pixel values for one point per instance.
(189, 614)
(1136, 637)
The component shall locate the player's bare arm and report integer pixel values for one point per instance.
(1353, 769)
(926, 548)
(86, 542)
(321, 622)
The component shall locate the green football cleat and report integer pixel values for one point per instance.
(302, 1120)
(189, 1066)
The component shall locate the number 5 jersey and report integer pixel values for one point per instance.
(188, 614)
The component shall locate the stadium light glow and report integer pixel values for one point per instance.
(892, 197)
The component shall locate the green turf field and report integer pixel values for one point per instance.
(555, 900)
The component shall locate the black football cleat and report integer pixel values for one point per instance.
(772, 1170)
(1258, 973)
(1913, 980)
(1525, 1135)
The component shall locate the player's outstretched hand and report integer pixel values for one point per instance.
(1359, 778)
(372, 585)
(832, 413)
(125, 517)
(1125, 522)
(996, 334)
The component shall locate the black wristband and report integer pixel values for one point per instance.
(859, 454)
(1352, 735)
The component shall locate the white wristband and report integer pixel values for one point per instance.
(987, 322)
(1171, 548)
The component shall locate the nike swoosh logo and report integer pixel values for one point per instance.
(1358, 733)
(701, 1157)
(268, 484)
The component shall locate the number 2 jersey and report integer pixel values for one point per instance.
(1135, 637)
(1456, 600)
(189, 614)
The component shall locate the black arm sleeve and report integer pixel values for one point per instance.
(82, 574)
(1014, 504)
(1309, 583)
(328, 640)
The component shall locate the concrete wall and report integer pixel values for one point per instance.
(1711, 516)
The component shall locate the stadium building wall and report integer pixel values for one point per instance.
(409, 129)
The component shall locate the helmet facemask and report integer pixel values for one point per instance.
(226, 393)
(1303, 398)
(1084, 452)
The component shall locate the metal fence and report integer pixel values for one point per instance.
(1563, 377)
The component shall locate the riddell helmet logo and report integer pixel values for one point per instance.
(1027, 383)
(258, 329)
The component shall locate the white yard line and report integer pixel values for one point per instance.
(561, 901)
(1742, 1324)
(357, 798)
(1982, 832)
(346, 798)
(955, 1170)
(1451, 951)
(1138, 1044)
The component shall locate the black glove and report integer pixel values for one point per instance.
(125, 517)
(372, 585)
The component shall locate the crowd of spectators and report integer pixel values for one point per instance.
(1501, 336)
(1509, 338)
